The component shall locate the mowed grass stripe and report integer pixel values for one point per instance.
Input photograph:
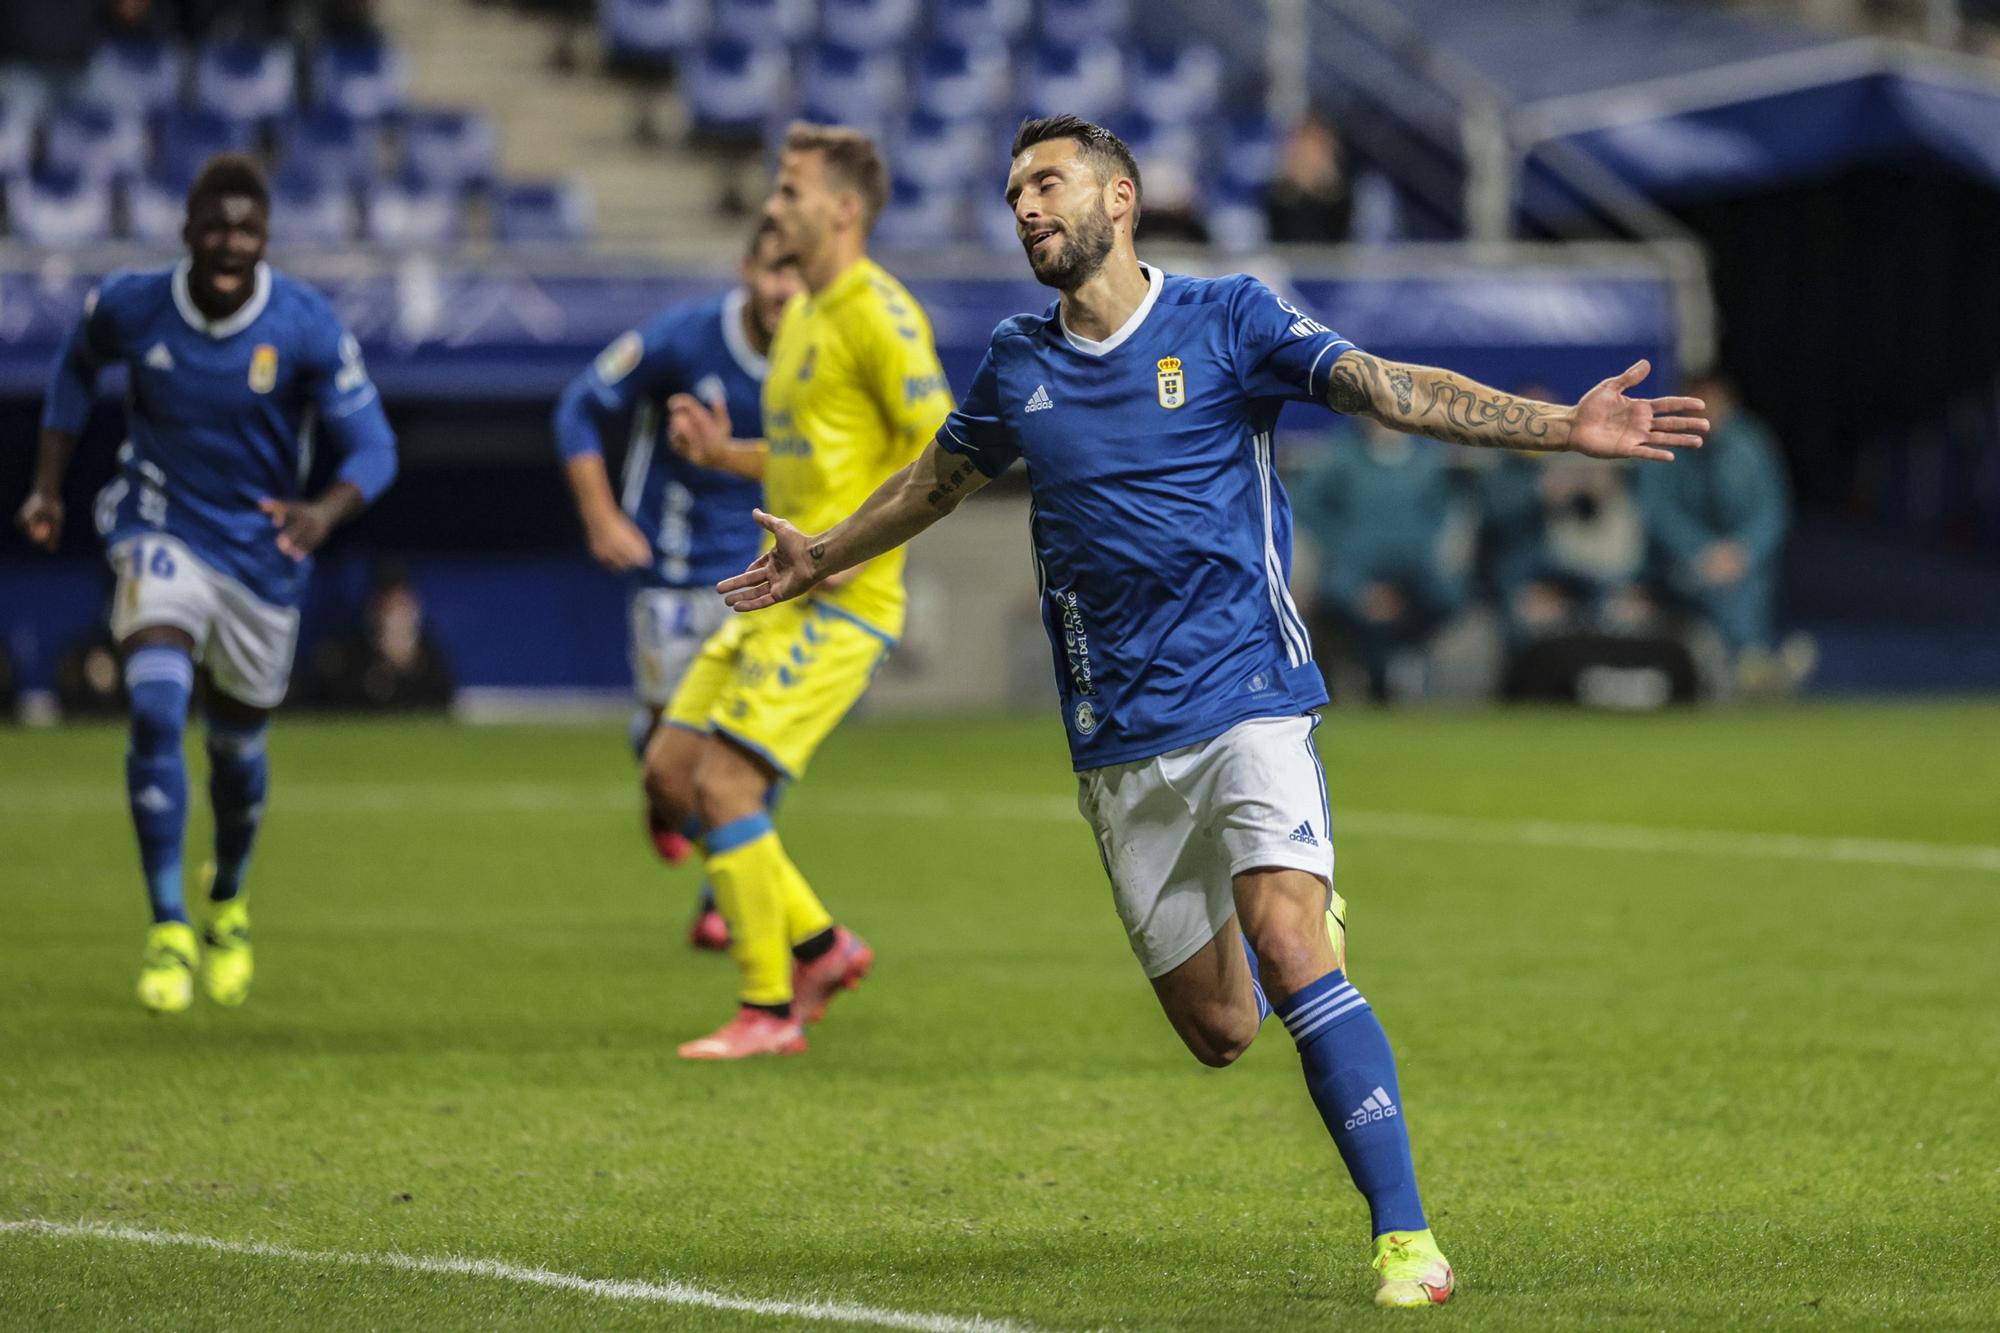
(667, 1292)
(426, 800)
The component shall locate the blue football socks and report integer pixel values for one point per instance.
(159, 681)
(238, 777)
(1351, 1075)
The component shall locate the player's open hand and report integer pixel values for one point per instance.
(1607, 424)
(780, 574)
(302, 525)
(41, 519)
(698, 431)
(618, 545)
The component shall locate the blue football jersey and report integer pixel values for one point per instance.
(222, 414)
(1162, 536)
(697, 518)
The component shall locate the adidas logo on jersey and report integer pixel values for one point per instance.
(1378, 1106)
(1304, 833)
(159, 358)
(1039, 401)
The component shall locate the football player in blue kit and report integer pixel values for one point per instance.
(675, 526)
(1142, 405)
(235, 369)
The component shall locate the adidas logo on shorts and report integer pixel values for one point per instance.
(1378, 1106)
(1304, 833)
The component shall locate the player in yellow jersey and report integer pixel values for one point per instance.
(854, 392)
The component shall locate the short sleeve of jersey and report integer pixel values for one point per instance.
(904, 375)
(975, 430)
(91, 344)
(341, 386)
(1281, 352)
(636, 364)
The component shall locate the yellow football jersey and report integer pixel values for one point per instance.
(854, 393)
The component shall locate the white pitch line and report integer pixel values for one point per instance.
(667, 1292)
(472, 798)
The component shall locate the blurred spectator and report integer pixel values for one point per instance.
(1379, 510)
(89, 679)
(389, 661)
(1309, 199)
(1717, 519)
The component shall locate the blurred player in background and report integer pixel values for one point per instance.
(855, 390)
(1144, 406)
(674, 526)
(234, 367)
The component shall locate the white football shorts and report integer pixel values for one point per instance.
(1175, 830)
(245, 643)
(669, 625)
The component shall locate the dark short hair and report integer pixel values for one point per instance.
(1106, 152)
(852, 161)
(763, 231)
(229, 175)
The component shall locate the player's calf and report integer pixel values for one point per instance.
(159, 678)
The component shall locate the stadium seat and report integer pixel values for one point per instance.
(764, 22)
(993, 221)
(155, 208)
(310, 212)
(1255, 143)
(449, 146)
(17, 137)
(246, 80)
(1176, 82)
(141, 76)
(876, 121)
(331, 145)
(411, 213)
(972, 21)
(920, 214)
(59, 209)
(1087, 79)
(734, 88)
(187, 139)
(1159, 145)
(956, 78)
(1236, 223)
(868, 25)
(96, 141)
(1075, 22)
(865, 84)
(653, 31)
(362, 78)
(948, 151)
(543, 213)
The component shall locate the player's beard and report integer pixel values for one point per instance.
(1085, 245)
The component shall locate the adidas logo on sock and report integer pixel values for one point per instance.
(153, 801)
(1039, 400)
(1304, 833)
(1378, 1106)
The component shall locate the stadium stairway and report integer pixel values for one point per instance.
(554, 124)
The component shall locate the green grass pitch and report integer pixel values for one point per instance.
(1665, 1068)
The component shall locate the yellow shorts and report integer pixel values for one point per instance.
(778, 681)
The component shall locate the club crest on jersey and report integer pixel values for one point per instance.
(264, 368)
(1173, 384)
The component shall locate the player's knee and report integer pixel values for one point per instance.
(1290, 959)
(668, 790)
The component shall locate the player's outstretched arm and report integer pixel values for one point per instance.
(699, 432)
(41, 515)
(1444, 405)
(901, 507)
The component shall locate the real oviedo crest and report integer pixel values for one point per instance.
(1173, 386)
(263, 368)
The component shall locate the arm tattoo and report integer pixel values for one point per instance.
(1356, 379)
(950, 485)
(1401, 381)
(1459, 414)
(818, 553)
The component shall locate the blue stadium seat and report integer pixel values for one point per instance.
(187, 138)
(869, 25)
(17, 137)
(1255, 143)
(1176, 82)
(961, 150)
(59, 209)
(1074, 22)
(246, 80)
(1087, 79)
(875, 121)
(136, 74)
(1159, 145)
(330, 144)
(653, 31)
(451, 146)
(993, 222)
(155, 208)
(1235, 217)
(543, 213)
(96, 141)
(735, 89)
(866, 84)
(362, 78)
(920, 214)
(412, 213)
(764, 22)
(964, 78)
(972, 21)
(310, 212)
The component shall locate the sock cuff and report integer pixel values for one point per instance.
(158, 664)
(1326, 1002)
(738, 833)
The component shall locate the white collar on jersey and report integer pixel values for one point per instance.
(737, 340)
(260, 296)
(1155, 279)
